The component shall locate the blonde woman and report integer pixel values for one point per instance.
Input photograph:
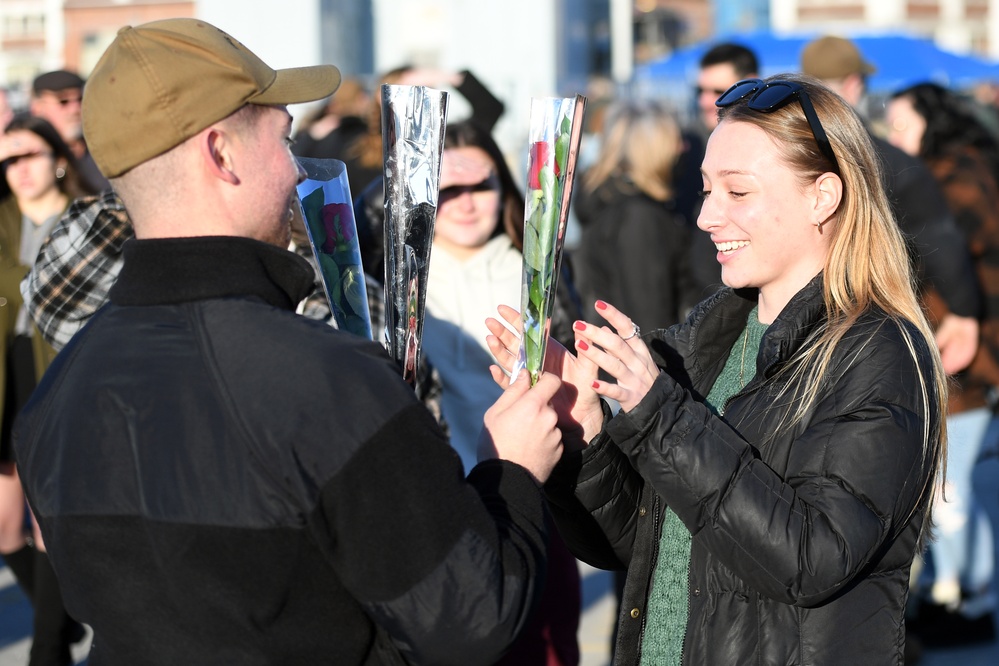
(767, 481)
(634, 245)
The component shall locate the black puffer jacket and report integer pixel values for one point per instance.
(222, 481)
(803, 535)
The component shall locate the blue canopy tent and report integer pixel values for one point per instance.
(901, 60)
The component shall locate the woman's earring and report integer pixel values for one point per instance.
(60, 173)
(818, 225)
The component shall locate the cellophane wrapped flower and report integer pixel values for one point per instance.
(329, 221)
(413, 123)
(555, 131)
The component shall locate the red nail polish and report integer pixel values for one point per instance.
(582, 345)
(579, 326)
(596, 385)
(601, 305)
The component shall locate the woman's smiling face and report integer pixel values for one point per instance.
(467, 216)
(758, 212)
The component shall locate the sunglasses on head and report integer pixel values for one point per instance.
(767, 97)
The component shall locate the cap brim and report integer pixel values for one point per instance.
(297, 85)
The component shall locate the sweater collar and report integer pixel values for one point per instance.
(714, 334)
(167, 271)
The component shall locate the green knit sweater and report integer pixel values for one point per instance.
(666, 615)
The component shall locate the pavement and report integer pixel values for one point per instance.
(595, 628)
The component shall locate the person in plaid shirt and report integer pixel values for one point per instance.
(77, 266)
(80, 261)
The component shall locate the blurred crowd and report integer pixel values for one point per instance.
(636, 200)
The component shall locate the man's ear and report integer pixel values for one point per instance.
(828, 190)
(215, 147)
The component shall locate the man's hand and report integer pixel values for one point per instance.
(580, 414)
(522, 427)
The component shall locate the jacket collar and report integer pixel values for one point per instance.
(719, 320)
(794, 324)
(167, 271)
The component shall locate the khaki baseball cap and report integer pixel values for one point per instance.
(160, 83)
(833, 58)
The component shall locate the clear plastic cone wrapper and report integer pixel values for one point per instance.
(413, 123)
(328, 213)
(553, 144)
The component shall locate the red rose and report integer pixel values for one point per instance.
(337, 218)
(539, 157)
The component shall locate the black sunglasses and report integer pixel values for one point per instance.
(767, 97)
(490, 184)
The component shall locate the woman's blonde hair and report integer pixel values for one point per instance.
(867, 263)
(640, 140)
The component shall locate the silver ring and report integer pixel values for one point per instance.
(634, 331)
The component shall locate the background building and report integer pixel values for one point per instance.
(963, 26)
(518, 48)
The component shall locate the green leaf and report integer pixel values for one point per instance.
(353, 289)
(534, 353)
(347, 255)
(534, 252)
(357, 326)
(548, 180)
(562, 152)
(312, 209)
(331, 273)
(537, 294)
(566, 127)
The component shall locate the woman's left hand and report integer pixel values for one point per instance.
(619, 351)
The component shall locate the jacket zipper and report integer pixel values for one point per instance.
(657, 527)
(748, 388)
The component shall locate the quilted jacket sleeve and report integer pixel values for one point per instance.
(853, 472)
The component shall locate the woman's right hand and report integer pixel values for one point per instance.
(458, 169)
(580, 414)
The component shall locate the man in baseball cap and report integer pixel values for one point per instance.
(219, 480)
(56, 97)
(834, 58)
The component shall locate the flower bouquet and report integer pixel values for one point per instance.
(329, 220)
(555, 130)
(413, 123)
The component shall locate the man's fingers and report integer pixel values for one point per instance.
(514, 390)
(547, 386)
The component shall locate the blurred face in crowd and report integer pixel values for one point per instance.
(467, 215)
(905, 126)
(31, 169)
(62, 109)
(758, 213)
(712, 81)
